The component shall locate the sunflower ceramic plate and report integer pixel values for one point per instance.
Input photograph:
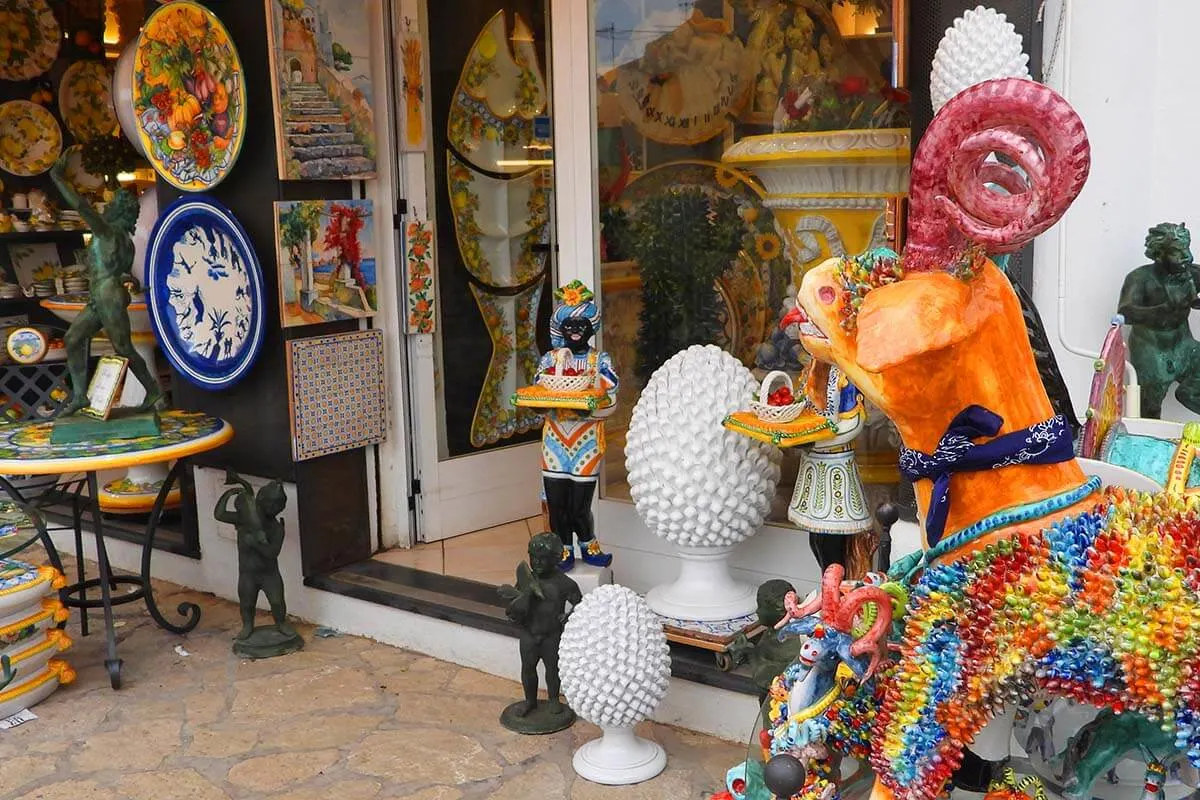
(85, 101)
(29, 39)
(30, 139)
(205, 288)
(189, 96)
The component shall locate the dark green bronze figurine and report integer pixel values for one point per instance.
(1157, 300)
(538, 603)
(110, 264)
(768, 656)
(259, 540)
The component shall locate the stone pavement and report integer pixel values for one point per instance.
(345, 719)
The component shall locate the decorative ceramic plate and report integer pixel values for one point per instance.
(30, 138)
(85, 100)
(205, 288)
(83, 181)
(189, 96)
(29, 39)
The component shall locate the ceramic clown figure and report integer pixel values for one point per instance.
(573, 440)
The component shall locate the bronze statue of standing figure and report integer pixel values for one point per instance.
(110, 275)
(538, 603)
(1157, 300)
(259, 541)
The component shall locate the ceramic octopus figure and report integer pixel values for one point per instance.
(1031, 577)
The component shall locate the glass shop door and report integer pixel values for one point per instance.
(489, 189)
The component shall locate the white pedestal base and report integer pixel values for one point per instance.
(589, 577)
(704, 591)
(619, 758)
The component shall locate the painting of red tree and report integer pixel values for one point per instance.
(345, 223)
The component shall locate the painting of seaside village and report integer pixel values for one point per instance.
(326, 255)
(324, 100)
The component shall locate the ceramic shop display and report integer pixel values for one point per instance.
(703, 488)
(85, 101)
(29, 39)
(29, 628)
(205, 290)
(189, 96)
(28, 691)
(32, 138)
(500, 92)
(616, 668)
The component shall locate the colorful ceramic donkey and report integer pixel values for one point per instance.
(1031, 575)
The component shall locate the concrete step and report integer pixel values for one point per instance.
(309, 127)
(326, 168)
(303, 154)
(320, 139)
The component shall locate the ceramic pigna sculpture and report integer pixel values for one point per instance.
(259, 540)
(539, 605)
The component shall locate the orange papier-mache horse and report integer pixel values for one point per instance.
(1032, 577)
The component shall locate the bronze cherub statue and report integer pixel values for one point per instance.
(259, 540)
(538, 603)
(1157, 300)
(110, 265)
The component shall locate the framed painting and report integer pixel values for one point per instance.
(321, 85)
(326, 255)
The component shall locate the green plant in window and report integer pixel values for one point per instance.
(683, 241)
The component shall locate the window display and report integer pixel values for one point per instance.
(701, 248)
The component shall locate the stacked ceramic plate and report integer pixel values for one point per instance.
(9, 291)
(70, 220)
(76, 284)
(29, 638)
(43, 288)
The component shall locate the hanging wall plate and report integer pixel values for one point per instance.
(29, 39)
(189, 96)
(30, 138)
(205, 289)
(85, 101)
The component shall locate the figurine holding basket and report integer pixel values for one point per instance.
(576, 388)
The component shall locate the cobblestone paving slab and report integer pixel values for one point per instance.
(344, 719)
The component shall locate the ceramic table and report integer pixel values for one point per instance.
(26, 450)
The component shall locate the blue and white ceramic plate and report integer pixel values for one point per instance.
(205, 288)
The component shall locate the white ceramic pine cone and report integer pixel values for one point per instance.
(982, 45)
(613, 658)
(695, 483)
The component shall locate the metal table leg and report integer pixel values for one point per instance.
(35, 518)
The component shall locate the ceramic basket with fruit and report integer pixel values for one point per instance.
(778, 405)
(561, 377)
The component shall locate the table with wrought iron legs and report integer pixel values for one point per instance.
(26, 450)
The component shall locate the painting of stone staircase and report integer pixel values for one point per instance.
(319, 140)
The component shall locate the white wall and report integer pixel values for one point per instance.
(1129, 70)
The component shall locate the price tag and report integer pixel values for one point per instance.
(20, 718)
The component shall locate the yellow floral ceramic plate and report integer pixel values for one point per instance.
(30, 139)
(83, 181)
(29, 39)
(85, 101)
(189, 96)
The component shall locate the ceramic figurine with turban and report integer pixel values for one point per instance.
(573, 438)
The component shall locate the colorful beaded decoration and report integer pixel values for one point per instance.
(1102, 607)
(860, 274)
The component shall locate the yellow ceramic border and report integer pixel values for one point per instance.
(51, 609)
(57, 305)
(116, 502)
(46, 574)
(57, 669)
(55, 639)
(898, 154)
(62, 466)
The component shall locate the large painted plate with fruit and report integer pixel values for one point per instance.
(30, 139)
(29, 39)
(189, 96)
(85, 101)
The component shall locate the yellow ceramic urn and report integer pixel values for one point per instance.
(833, 193)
